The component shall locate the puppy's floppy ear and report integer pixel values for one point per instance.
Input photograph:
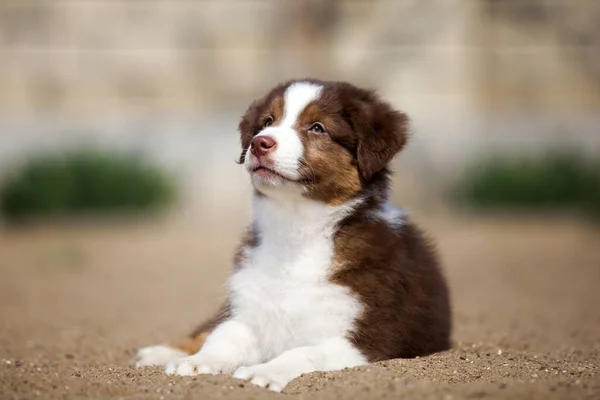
(382, 132)
(247, 126)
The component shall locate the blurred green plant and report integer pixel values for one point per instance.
(556, 180)
(84, 182)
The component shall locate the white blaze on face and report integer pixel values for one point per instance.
(287, 155)
(297, 96)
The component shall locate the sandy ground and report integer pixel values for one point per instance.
(76, 301)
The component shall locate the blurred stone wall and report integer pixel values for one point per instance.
(540, 54)
(97, 56)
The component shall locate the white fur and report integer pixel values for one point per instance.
(157, 355)
(392, 215)
(283, 288)
(297, 96)
(287, 318)
(329, 355)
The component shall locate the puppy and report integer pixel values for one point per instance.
(330, 275)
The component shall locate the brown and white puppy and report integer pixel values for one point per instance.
(330, 275)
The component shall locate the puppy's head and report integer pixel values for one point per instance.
(321, 140)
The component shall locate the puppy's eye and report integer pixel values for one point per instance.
(317, 128)
(268, 122)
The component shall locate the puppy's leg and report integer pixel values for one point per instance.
(163, 354)
(331, 355)
(230, 345)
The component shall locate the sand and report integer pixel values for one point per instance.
(77, 301)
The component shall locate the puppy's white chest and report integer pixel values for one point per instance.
(287, 299)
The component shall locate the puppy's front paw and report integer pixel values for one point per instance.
(266, 375)
(197, 364)
(156, 355)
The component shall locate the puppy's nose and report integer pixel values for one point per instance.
(262, 145)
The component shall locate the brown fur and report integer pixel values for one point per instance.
(192, 344)
(396, 276)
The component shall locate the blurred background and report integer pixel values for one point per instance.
(171, 78)
(114, 107)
